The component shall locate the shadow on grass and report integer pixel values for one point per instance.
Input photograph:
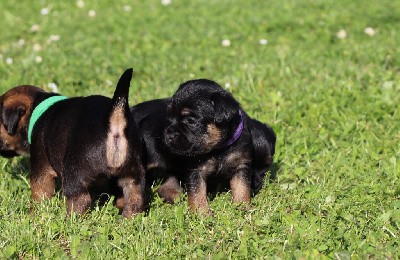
(216, 188)
(274, 171)
(106, 189)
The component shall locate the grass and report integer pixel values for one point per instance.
(332, 102)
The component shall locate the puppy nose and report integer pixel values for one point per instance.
(168, 131)
(170, 134)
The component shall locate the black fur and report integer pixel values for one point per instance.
(179, 145)
(70, 141)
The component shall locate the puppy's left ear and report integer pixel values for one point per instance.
(225, 107)
(11, 119)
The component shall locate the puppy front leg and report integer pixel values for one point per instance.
(197, 194)
(240, 187)
(133, 190)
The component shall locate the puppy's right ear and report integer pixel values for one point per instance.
(11, 118)
(225, 107)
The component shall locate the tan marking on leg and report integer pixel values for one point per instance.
(240, 190)
(133, 196)
(78, 204)
(43, 184)
(117, 144)
(170, 190)
(197, 199)
(119, 203)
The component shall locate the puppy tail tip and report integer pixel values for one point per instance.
(121, 93)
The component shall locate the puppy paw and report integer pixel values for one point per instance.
(170, 190)
(119, 203)
(129, 212)
(168, 195)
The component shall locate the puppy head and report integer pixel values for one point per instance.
(202, 117)
(15, 110)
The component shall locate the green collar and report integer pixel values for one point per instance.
(39, 110)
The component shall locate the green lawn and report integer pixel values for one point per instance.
(333, 102)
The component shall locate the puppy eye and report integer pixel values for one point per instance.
(186, 111)
(21, 110)
(189, 120)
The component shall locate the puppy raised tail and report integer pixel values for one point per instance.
(117, 141)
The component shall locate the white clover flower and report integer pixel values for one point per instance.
(53, 87)
(21, 42)
(226, 43)
(191, 75)
(54, 38)
(92, 13)
(166, 2)
(227, 85)
(263, 41)
(109, 82)
(37, 47)
(341, 34)
(9, 61)
(38, 59)
(80, 3)
(35, 28)
(45, 11)
(127, 8)
(369, 31)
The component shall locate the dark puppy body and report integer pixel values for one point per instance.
(83, 140)
(201, 135)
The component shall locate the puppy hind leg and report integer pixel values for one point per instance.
(76, 190)
(78, 203)
(170, 190)
(133, 199)
(119, 203)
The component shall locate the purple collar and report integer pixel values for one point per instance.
(238, 131)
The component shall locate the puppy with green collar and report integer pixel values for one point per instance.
(82, 140)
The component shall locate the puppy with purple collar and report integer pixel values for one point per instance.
(85, 141)
(202, 136)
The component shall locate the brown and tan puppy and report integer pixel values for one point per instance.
(15, 109)
(83, 140)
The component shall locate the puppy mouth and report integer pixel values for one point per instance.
(180, 147)
(189, 152)
(9, 151)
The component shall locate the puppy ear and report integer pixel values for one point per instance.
(264, 139)
(11, 119)
(225, 107)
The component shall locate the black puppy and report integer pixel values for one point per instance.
(83, 140)
(202, 135)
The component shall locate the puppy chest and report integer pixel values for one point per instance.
(225, 165)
